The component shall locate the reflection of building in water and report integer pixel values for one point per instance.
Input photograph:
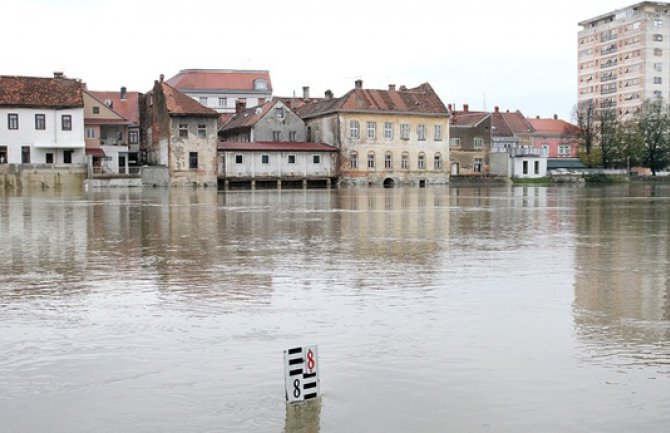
(622, 282)
(42, 233)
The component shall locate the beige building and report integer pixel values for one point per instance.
(624, 58)
(385, 137)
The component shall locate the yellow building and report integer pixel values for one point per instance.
(385, 137)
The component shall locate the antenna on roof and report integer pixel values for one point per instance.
(484, 101)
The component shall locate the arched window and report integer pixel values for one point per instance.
(404, 163)
(371, 160)
(421, 161)
(437, 161)
(388, 160)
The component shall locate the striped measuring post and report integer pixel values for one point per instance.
(301, 373)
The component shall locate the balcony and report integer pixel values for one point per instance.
(525, 151)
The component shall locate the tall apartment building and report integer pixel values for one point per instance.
(624, 58)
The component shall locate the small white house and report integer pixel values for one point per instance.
(41, 120)
(518, 162)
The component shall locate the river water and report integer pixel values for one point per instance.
(445, 309)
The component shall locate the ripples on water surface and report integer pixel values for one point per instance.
(439, 309)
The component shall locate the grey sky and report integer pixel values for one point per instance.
(516, 54)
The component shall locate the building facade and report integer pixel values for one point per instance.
(106, 136)
(273, 121)
(513, 153)
(219, 89)
(469, 142)
(181, 135)
(624, 58)
(385, 137)
(41, 120)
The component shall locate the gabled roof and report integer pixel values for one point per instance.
(220, 80)
(510, 124)
(556, 127)
(248, 117)
(419, 100)
(34, 92)
(128, 107)
(468, 118)
(276, 146)
(105, 116)
(179, 104)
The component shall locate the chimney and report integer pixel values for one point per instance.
(305, 92)
(240, 105)
(123, 93)
(358, 83)
(403, 87)
(58, 74)
(162, 77)
(555, 116)
(537, 117)
(329, 94)
(449, 107)
(392, 87)
(466, 108)
(496, 109)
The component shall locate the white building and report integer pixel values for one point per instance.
(624, 58)
(41, 120)
(219, 89)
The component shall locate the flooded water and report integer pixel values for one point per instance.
(502, 309)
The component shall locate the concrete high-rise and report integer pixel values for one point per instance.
(624, 58)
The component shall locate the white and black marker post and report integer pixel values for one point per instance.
(301, 373)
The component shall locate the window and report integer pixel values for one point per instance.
(202, 130)
(265, 159)
(438, 133)
(316, 159)
(276, 135)
(658, 94)
(658, 80)
(12, 121)
(564, 150)
(455, 142)
(354, 128)
(658, 67)
(388, 161)
(3, 154)
(203, 100)
(421, 162)
(353, 159)
(133, 137)
(49, 158)
(291, 159)
(40, 122)
(193, 160)
(525, 167)
(372, 130)
(260, 83)
(90, 132)
(388, 131)
(223, 102)
(478, 142)
(238, 159)
(545, 150)
(66, 122)
(183, 130)
(437, 161)
(25, 154)
(477, 165)
(404, 131)
(292, 135)
(536, 167)
(279, 112)
(421, 132)
(658, 38)
(658, 51)
(96, 110)
(371, 160)
(404, 161)
(658, 23)
(67, 156)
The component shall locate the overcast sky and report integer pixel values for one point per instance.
(516, 54)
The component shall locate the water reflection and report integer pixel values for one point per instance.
(622, 278)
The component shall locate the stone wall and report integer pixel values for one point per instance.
(25, 176)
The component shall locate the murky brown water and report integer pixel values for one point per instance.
(435, 310)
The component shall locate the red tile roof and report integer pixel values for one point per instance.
(554, 127)
(129, 107)
(419, 100)
(179, 104)
(33, 92)
(248, 117)
(219, 79)
(276, 146)
(510, 124)
(468, 118)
